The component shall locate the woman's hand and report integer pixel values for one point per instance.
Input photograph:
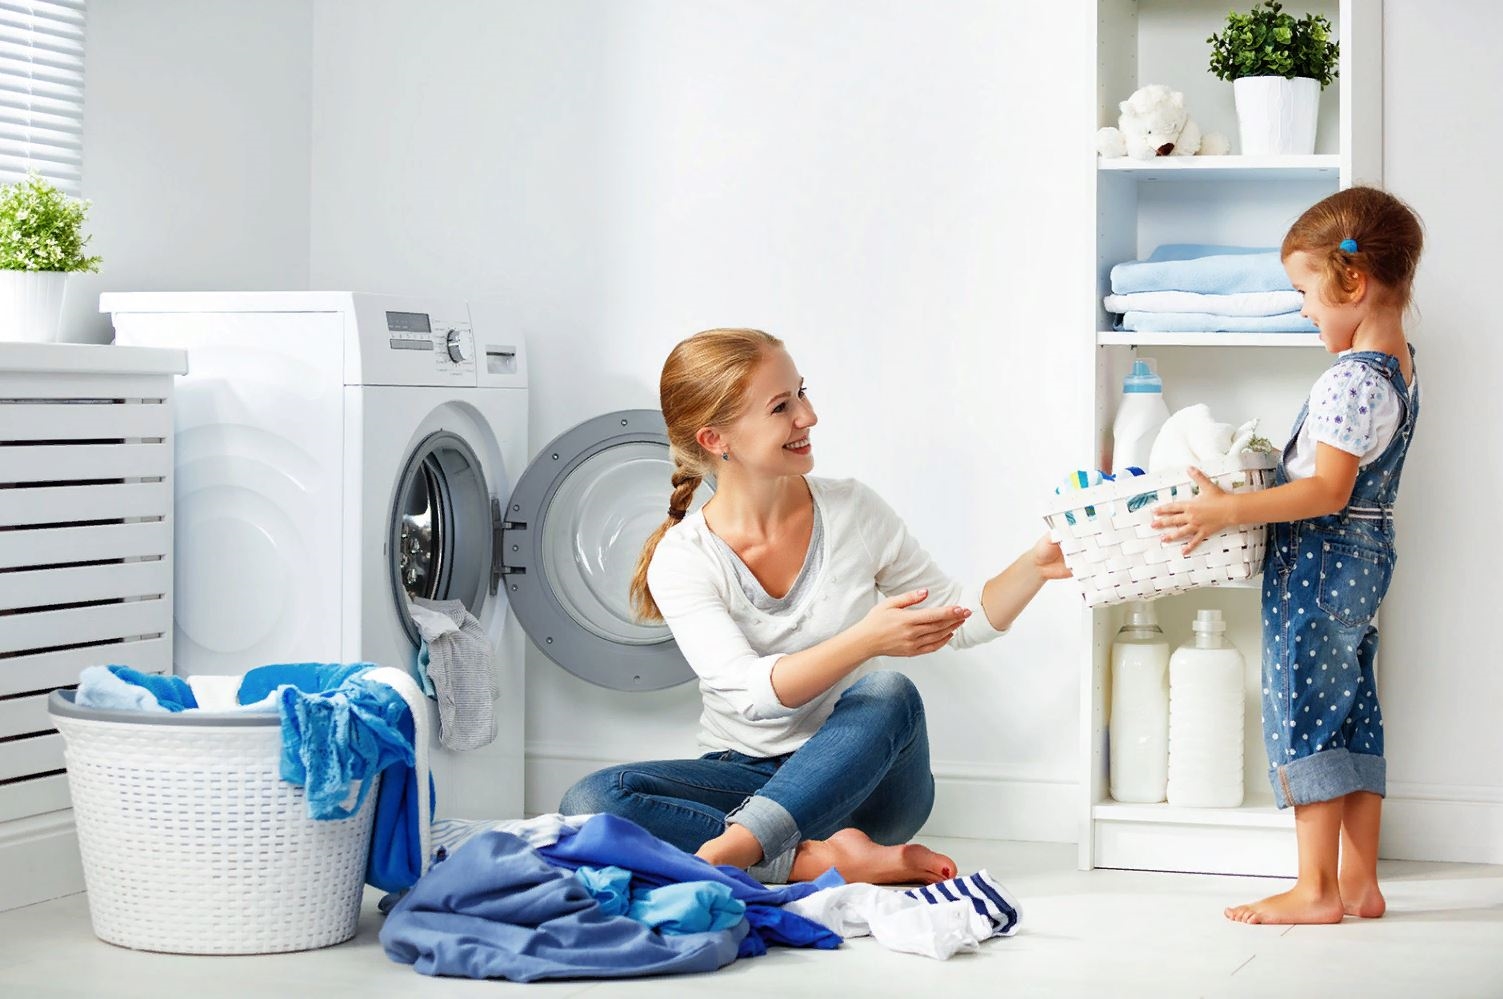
(1198, 518)
(892, 629)
(1049, 559)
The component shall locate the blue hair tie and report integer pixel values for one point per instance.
(1348, 246)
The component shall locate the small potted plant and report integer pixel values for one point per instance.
(1277, 67)
(41, 242)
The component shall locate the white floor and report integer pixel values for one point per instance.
(1099, 934)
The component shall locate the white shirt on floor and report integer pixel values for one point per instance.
(732, 645)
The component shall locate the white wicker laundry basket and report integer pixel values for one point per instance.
(193, 844)
(1116, 556)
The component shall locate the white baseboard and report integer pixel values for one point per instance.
(970, 801)
(39, 859)
(1449, 822)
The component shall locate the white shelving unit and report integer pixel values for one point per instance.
(1232, 200)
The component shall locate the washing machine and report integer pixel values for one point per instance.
(338, 453)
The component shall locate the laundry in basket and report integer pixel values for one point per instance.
(1115, 555)
(193, 843)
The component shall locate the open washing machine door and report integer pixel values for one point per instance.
(572, 532)
(441, 526)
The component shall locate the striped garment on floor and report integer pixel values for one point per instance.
(985, 894)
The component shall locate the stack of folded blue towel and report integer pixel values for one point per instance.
(1195, 288)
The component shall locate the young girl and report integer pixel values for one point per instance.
(1331, 550)
(779, 590)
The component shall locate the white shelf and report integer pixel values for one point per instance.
(1248, 816)
(1125, 338)
(1226, 168)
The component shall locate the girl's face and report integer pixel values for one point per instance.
(1336, 320)
(772, 435)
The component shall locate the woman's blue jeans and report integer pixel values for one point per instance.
(867, 767)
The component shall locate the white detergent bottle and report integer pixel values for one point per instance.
(1205, 718)
(1139, 725)
(1140, 415)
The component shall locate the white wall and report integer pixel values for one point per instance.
(606, 178)
(196, 149)
(1438, 673)
(609, 178)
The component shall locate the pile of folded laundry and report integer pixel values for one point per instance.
(1196, 288)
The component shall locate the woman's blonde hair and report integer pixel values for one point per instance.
(1362, 229)
(703, 385)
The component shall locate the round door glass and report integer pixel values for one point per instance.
(440, 539)
(593, 531)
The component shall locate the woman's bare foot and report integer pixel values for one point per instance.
(1363, 899)
(1297, 905)
(858, 858)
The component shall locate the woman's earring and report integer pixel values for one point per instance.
(725, 456)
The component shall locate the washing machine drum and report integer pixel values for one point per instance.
(573, 530)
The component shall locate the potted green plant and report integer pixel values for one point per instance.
(41, 242)
(1277, 66)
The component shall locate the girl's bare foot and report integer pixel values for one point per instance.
(1363, 899)
(858, 858)
(1297, 905)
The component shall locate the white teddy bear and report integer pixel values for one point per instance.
(1154, 123)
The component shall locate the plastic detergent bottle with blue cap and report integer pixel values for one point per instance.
(1140, 415)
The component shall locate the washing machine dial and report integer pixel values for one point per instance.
(459, 348)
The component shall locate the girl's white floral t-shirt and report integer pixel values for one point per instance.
(1352, 408)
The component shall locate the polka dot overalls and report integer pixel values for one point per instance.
(1323, 581)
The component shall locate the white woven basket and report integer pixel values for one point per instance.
(1116, 556)
(193, 844)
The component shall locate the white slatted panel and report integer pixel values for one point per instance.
(77, 584)
(42, 671)
(57, 545)
(37, 796)
(85, 533)
(42, 90)
(25, 716)
(59, 504)
(58, 462)
(36, 755)
(84, 420)
(73, 625)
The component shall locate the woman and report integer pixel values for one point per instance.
(778, 591)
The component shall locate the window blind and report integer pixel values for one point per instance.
(42, 91)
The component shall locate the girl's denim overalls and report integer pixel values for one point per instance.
(1323, 581)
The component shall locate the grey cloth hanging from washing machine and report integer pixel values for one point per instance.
(459, 664)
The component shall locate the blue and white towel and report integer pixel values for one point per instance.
(1198, 322)
(984, 892)
(1251, 303)
(1220, 274)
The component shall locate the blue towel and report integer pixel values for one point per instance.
(334, 743)
(396, 857)
(310, 678)
(1224, 274)
(1200, 322)
(691, 907)
(610, 886)
(171, 692)
(496, 909)
(99, 687)
(1189, 251)
(611, 840)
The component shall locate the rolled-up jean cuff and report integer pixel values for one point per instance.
(770, 823)
(1326, 776)
(776, 870)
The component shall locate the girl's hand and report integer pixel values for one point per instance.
(891, 629)
(1198, 518)
(1049, 560)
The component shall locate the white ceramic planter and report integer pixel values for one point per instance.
(1276, 117)
(31, 305)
